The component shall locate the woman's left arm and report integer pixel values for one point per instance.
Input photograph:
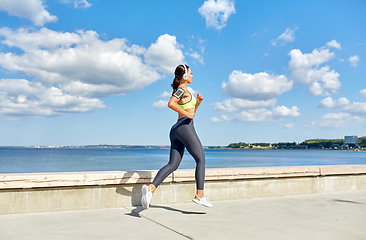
(199, 100)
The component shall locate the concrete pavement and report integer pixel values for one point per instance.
(333, 216)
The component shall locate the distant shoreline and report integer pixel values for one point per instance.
(92, 147)
(166, 147)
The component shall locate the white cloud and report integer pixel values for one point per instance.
(43, 39)
(217, 12)
(335, 116)
(257, 93)
(262, 114)
(82, 64)
(33, 10)
(233, 105)
(342, 101)
(282, 111)
(197, 51)
(165, 95)
(309, 124)
(165, 54)
(215, 119)
(353, 60)
(362, 93)
(305, 69)
(285, 37)
(255, 115)
(332, 103)
(77, 3)
(79, 67)
(290, 125)
(226, 118)
(259, 86)
(81, 4)
(309, 60)
(339, 120)
(160, 104)
(201, 44)
(356, 108)
(334, 44)
(20, 99)
(198, 57)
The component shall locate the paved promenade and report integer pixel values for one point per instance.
(315, 216)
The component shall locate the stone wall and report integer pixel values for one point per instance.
(39, 192)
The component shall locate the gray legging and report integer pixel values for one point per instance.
(183, 135)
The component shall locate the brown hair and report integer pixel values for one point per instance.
(179, 71)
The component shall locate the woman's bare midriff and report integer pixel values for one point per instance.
(190, 110)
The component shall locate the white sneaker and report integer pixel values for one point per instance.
(203, 201)
(146, 196)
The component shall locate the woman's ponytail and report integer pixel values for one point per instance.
(175, 84)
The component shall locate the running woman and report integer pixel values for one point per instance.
(182, 135)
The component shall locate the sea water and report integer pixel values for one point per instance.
(28, 160)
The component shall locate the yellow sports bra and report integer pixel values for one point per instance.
(190, 104)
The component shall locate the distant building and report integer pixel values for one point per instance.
(350, 140)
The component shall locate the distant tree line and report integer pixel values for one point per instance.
(237, 145)
(284, 145)
(323, 143)
(307, 144)
(362, 142)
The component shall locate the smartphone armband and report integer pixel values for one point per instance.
(179, 93)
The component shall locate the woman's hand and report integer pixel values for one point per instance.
(199, 98)
(190, 115)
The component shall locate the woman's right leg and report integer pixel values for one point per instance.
(176, 155)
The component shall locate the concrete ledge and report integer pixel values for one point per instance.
(74, 179)
(342, 170)
(38, 192)
(219, 174)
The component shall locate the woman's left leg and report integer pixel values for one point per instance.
(194, 147)
(189, 138)
(176, 155)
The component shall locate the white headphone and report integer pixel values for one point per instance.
(185, 75)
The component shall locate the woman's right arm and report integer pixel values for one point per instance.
(173, 104)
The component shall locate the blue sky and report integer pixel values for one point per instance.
(79, 72)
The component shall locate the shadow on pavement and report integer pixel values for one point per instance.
(176, 210)
(137, 210)
(346, 201)
(135, 193)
